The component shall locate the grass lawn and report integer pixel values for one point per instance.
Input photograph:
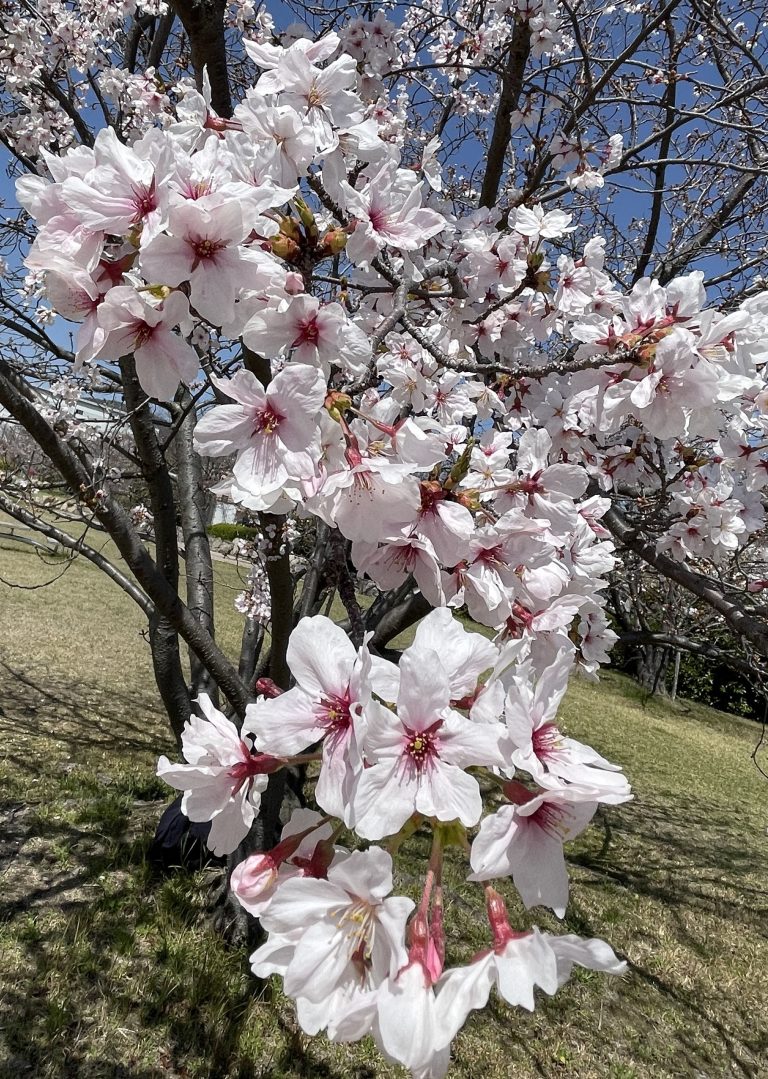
(106, 971)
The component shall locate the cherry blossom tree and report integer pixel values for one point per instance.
(469, 298)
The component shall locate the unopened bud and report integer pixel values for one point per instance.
(289, 226)
(306, 217)
(254, 876)
(267, 688)
(469, 499)
(334, 241)
(294, 283)
(336, 404)
(285, 247)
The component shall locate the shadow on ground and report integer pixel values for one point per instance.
(109, 972)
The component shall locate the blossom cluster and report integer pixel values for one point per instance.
(399, 746)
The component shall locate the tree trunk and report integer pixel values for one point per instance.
(193, 507)
(675, 675)
(652, 669)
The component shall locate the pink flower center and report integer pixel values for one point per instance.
(197, 189)
(422, 747)
(407, 556)
(531, 485)
(143, 334)
(309, 333)
(315, 97)
(145, 201)
(546, 741)
(252, 764)
(492, 556)
(267, 420)
(335, 716)
(363, 481)
(206, 249)
(550, 818)
(378, 217)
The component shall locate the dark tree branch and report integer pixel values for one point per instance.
(511, 85)
(193, 505)
(164, 638)
(738, 619)
(399, 618)
(280, 598)
(312, 580)
(140, 25)
(80, 126)
(685, 644)
(79, 546)
(250, 649)
(203, 21)
(160, 38)
(657, 204)
(676, 262)
(117, 522)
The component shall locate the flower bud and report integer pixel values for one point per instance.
(334, 241)
(267, 688)
(306, 217)
(252, 877)
(294, 283)
(289, 226)
(285, 247)
(336, 404)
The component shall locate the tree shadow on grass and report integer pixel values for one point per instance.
(111, 971)
(681, 854)
(111, 975)
(67, 717)
(702, 875)
(104, 947)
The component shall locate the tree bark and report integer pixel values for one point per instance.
(738, 618)
(203, 21)
(193, 504)
(19, 399)
(511, 86)
(163, 637)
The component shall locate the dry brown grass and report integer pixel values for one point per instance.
(107, 972)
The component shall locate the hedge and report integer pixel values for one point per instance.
(231, 532)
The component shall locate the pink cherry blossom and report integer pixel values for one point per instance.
(314, 333)
(389, 213)
(525, 839)
(128, 323)
(270, 430)
(202, 247)
(222, 780)
(537, 745)
(343, 930)
(300, 852)
(329, 702)
(417, 754)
